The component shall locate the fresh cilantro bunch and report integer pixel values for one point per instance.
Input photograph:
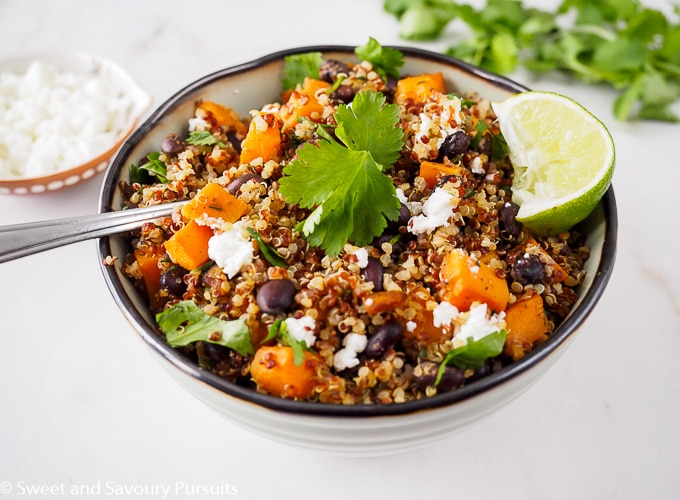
(422, 19)
(343, 182)
(633, 48)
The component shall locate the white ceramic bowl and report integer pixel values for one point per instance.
(87, 65)
(341, 430)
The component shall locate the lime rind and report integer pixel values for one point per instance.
(556, 219)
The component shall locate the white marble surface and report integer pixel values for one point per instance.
(83, 403)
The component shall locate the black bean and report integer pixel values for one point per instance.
(235, 141)
(275, 296)
(172, 280)
(373, 272)
(390, 86)
(330, 69)
(399, 245)
(402, 220)
(528, 269)
(383, 238)
(235, 186)
(479, 373)
(172, 145)
(212, 351)
(509, 225)
(455, 144)
(452, 377)
(343, 93)
(384, 339)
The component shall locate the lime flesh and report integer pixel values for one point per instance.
(563, 159)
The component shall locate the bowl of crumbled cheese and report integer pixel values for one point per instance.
(62, 117)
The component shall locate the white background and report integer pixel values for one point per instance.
(82, 401)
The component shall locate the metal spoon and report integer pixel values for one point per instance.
(20, 240)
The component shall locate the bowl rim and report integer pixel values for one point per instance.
(142, 103)
(249, 395)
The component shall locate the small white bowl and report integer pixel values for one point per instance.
(359, 430)
(81, 64)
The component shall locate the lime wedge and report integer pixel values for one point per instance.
(563, 159)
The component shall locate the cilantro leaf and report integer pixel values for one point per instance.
(345, 186)
(482, 128)
(279, 330)
(367, 124)
(267, 251)
(185, 323)
(204, 138)
(153, 167)
(299, 346)
(385, 60)
(473, 353)
(421, 19)
(351, 195)
(298, 66)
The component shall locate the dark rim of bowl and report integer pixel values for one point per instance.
(190, 368)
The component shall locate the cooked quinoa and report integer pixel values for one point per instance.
(373, 320)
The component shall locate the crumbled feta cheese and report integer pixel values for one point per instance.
(437, 210)
(401, 196)
(197, 124)
(362, 257)
(231, 250)
(440, 118)
(451, 117)
(302, 329)
(426, 123)
(346, 357)
(478, 324)
(214, 223)
(51, 120)
(411, 326)
(414, 207)
(476, 166)
(444, 314)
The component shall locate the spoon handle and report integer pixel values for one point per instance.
(20, 240)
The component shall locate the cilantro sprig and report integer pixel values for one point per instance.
(279, 330)
(145, 172)
(298, 66)
(204, 138)
(185, 323)
(268, 251)
(386, 61)
(633, 48)
(473, 353)
(343, 182)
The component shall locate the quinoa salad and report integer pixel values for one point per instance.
(354, 242)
